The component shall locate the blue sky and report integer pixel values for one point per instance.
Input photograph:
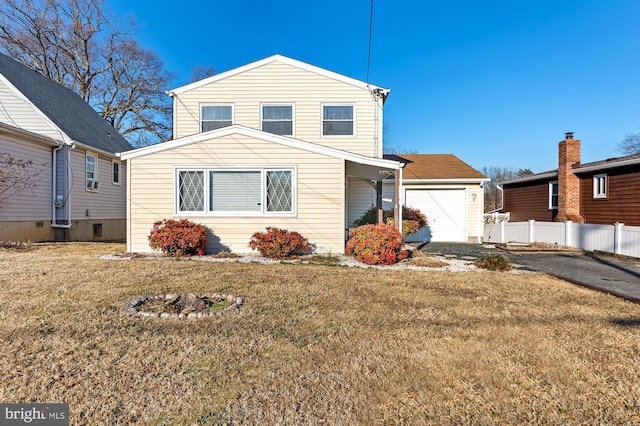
(496, 83)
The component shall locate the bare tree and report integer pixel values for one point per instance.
(80, 45)
(200, 72)
(492, 194)
(16, 176)
(630, 144)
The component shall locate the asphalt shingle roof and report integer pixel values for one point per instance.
(65, 108)
(435, 166)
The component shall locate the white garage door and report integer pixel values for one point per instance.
(446, 214)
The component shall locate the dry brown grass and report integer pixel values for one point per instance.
(313, 344)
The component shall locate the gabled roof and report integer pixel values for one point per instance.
(265, 136)
(283, 59)
(64, 108)
(436, 167)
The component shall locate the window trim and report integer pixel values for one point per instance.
(115, 181)
(551, 206)
(94, 186)
(293, 116)
(353, 110)
(596, 187)
(233, 114)
(206, 212)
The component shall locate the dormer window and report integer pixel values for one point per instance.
(215, 117)
(337, 120)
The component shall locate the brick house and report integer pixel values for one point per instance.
(601, 192)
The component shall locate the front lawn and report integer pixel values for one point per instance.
(312, 344)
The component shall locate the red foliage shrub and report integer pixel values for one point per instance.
(412, 219)
(278, 243)
(179, 237)
(376, 245)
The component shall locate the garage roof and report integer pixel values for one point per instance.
(435, 167)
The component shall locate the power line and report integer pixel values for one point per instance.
(370, 36)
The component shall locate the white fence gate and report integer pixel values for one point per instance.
(616, 238)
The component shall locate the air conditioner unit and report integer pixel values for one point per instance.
(92, 185)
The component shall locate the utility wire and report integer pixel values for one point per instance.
(370, 35)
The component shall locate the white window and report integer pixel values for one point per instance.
(337, 120)
(115, 167)
(224, 192)
(600, 186)
(91, 161)
(553, 195)
(215, 116)
(278, 119)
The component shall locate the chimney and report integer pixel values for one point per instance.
(568, 183)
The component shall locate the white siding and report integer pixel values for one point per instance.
(281, 83)
(320, 193)
(106, 203)
(16, 111)
(33, 204)
(361, 197)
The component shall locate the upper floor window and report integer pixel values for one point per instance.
(91, 169)
(553, 195)
(600, 186)
(278, 119)
(215, 116)
(337, 120)
(251, 192)
(115, 179)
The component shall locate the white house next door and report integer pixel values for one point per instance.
(446, 214)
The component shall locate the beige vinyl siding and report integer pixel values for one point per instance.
(23, 114)
(33, 204)
(279, 83)
(108, 202)
(361, 196)
(319, 202)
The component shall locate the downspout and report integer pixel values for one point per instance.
(67, 201)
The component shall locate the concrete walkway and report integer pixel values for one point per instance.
(603, 272)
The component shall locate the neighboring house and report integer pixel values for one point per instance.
(277, 142)
(601, 192)
(81, 182)
(447, 190)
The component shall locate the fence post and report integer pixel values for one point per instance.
(501, 232)
(567, 233)
(617, 237)
(531, 233)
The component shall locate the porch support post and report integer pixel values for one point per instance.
(379, 201)
(397, 207)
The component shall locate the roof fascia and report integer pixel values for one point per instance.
(269, 137)
(63, 136)
(611, 165)
(286, 60)
(531, 178)
(442, 181)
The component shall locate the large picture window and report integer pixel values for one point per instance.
(215, 117)
(278, 119)
(221, 192)
(337, 120)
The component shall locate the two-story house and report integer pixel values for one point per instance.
(277, 142)
(80, 182)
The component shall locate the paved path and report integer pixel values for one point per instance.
(598, 271)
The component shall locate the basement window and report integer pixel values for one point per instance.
(600, 186)
(97, 230)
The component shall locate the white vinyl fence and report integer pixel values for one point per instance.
(616, 238)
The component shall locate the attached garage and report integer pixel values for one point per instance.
(446, 211)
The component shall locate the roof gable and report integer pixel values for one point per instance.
(285, 60)
(64, 108)
(435, 167)
(269, 137)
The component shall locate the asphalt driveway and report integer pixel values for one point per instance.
(603, 272)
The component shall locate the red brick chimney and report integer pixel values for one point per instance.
(568, 183)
